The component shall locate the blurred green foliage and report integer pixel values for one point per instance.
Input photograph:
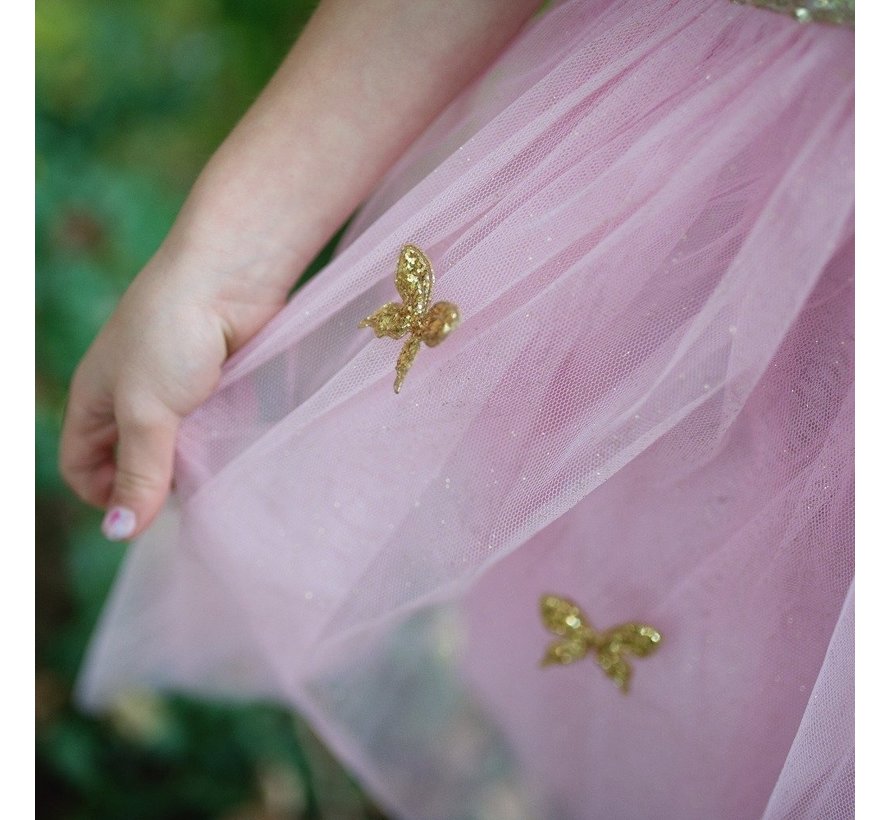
(132, 98)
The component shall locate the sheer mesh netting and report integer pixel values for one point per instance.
(644, 212)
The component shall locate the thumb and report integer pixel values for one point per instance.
(143, 474)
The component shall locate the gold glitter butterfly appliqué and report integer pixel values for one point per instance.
(413, 315)
(577, 638)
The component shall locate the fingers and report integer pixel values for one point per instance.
(128, 396)
(144, 469)
(119, 459)
(86, 449)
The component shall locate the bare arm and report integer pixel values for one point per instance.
(362, 82)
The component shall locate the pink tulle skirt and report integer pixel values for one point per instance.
(645, 214)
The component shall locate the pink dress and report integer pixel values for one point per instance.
(645, 214)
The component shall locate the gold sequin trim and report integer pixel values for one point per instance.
(413, 315)
(577, 638)
(841, 12)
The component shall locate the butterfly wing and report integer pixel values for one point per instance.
(405, 360)
(638, 639)
(391, 320)
(414, 280)
(565, 651)
(616, 668)
(439, 321)
(564, 617)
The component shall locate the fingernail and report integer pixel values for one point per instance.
(119, 523)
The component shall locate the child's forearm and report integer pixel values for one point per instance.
(361, 83)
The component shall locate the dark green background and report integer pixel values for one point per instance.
(132, 98)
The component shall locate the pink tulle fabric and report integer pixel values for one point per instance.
(645, 214)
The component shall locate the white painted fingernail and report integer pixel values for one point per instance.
(119, 523)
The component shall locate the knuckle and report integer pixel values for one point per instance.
(133, 416)
(138, 415)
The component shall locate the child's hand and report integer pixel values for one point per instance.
(157, 358)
